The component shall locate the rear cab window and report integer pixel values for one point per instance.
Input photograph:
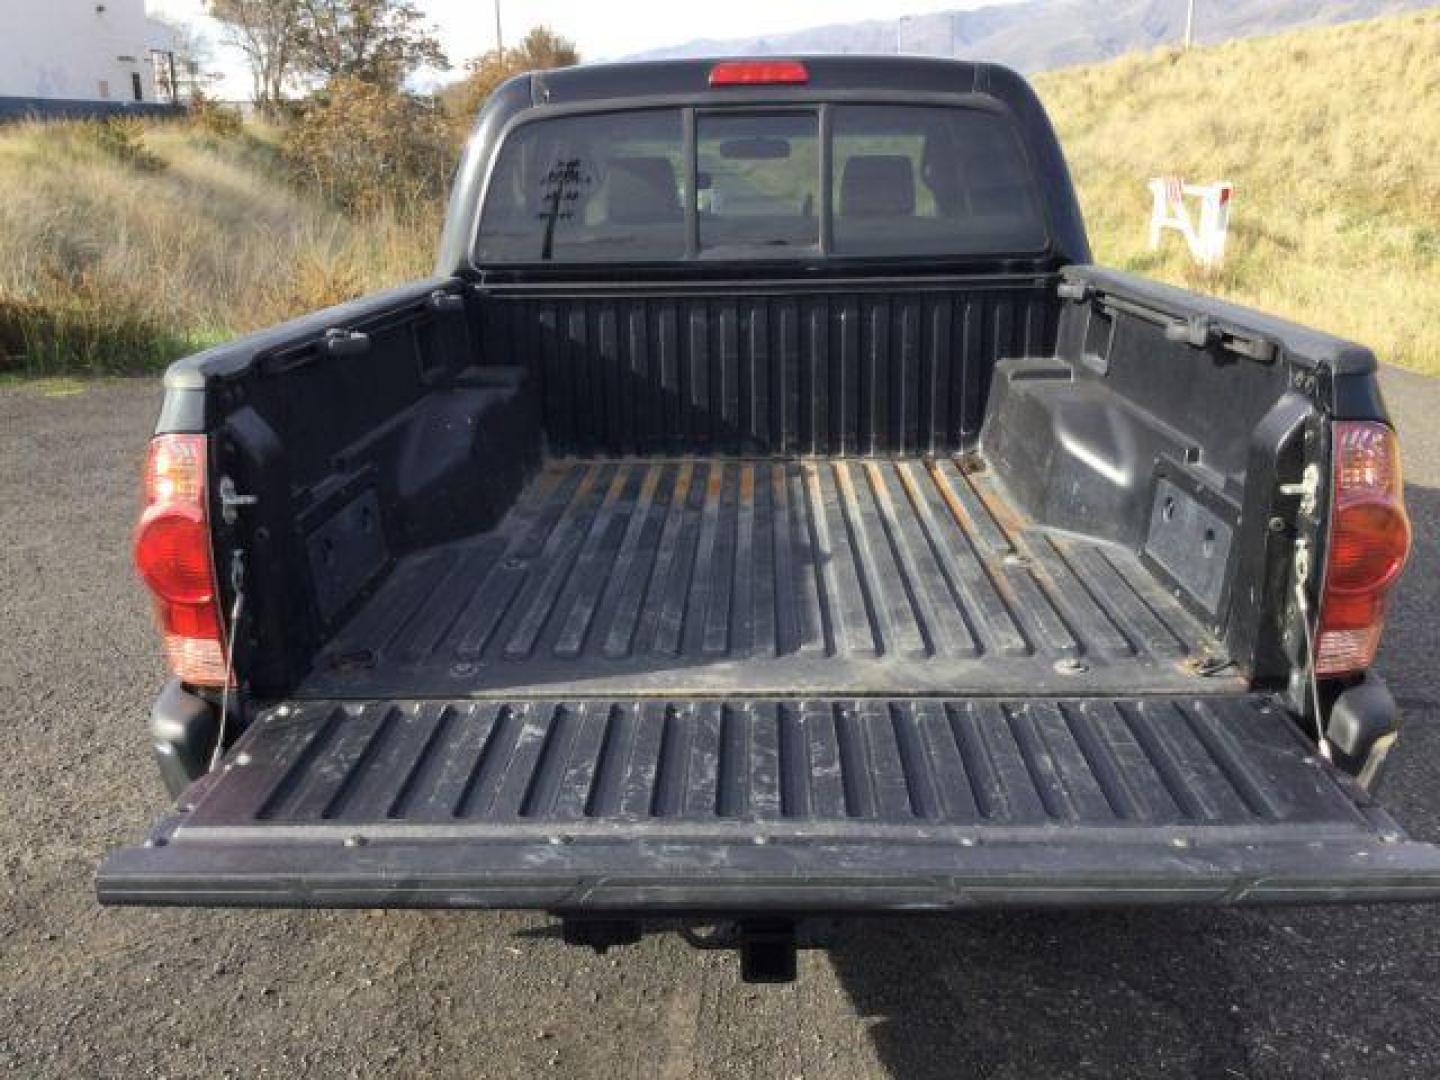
(884, 180)
(604, 188)
(930, 181)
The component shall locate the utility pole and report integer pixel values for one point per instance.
(1189, 23)
(500, 37)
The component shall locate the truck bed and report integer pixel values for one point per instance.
(695, 577)
(764, 579)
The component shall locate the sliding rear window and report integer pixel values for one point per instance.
(893, 181)
(759, 182)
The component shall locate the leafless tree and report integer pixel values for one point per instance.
(266, 32)
(381, 42)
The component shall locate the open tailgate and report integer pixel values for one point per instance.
(729, 806)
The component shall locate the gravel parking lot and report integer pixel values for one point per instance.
(86, 991)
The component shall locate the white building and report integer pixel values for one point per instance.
(86, 51)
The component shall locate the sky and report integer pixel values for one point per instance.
(602, 31)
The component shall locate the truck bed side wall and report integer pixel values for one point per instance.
(365, 432)
(1167, 422)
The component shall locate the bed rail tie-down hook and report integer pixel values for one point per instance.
(232, 502)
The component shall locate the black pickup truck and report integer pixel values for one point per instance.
(766, 514)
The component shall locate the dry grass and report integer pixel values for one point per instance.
(1332, 138)
(125, 249)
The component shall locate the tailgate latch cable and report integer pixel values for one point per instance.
(237, 583)
(1302, 601)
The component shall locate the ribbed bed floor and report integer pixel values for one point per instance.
(707, 576)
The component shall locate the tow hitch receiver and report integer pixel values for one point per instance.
(767, 951)
(767, 946)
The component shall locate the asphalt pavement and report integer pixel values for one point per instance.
(87, 991)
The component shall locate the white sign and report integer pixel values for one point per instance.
(1204, 231)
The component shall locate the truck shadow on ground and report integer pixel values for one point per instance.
(1012, 993)
(1186, 992)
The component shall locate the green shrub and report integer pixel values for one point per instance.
(123, 138)
(367, 147)
(216, 120)
(83, 333)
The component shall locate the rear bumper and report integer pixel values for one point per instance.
(736, 807)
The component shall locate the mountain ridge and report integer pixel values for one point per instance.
(1039, 35)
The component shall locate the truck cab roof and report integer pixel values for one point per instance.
(826, 75)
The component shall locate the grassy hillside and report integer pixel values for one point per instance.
(127, 245)
(1040, 35)
(1332, 138)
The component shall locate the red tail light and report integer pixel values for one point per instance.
(759, 73)
(1369, 543)
(172, 553)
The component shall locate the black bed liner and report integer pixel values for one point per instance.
(731, 686)
(797, 805)
(760, 577)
